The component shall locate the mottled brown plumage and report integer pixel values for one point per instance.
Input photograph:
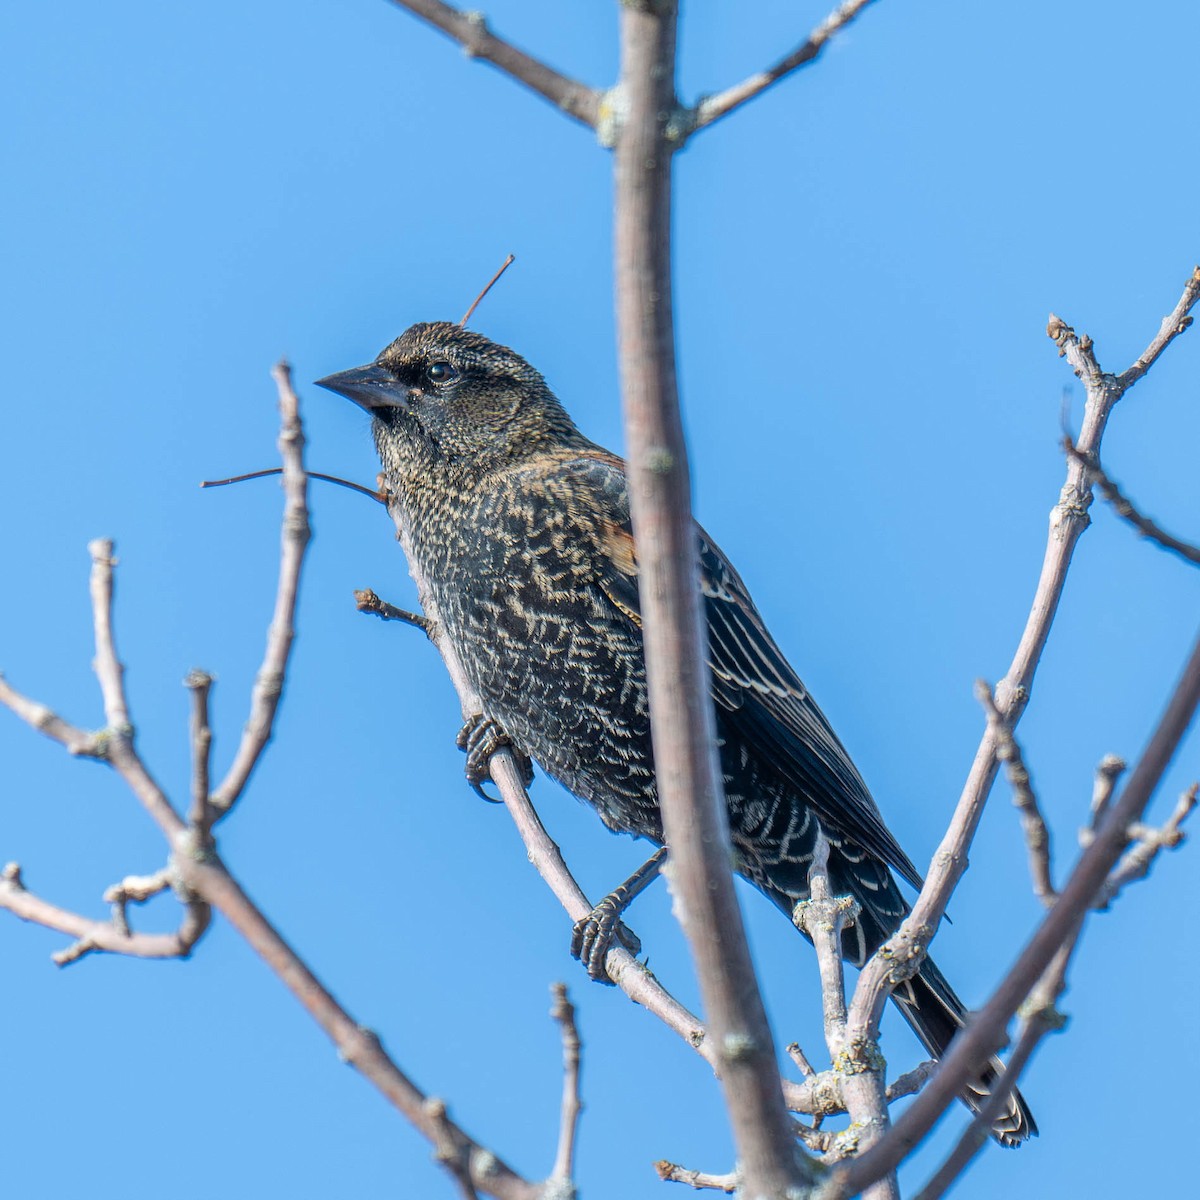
(521, 527)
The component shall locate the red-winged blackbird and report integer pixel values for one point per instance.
(521, 528)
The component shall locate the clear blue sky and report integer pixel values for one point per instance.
(866, 259)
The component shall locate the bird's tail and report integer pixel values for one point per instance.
(935, 1014)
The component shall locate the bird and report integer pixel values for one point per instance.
(520, 526)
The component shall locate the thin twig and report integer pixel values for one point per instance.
(77, 742)
(1125, 509)
(98, 936)
(120, 751)
(470, 30)
(713, 108)
(268, 684)
(1107, 773)
(911, 1082)
(109, 671)
(563, 1011)
(670, 1172)
(1173, 324)
(366, 601)
(800, 1059)
(487, 287)
(1033, 824)
(200, 816)
(371, 493)
(1137, 860)
(137, 889)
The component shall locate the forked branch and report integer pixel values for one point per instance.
(196, 872)
(1068, 520)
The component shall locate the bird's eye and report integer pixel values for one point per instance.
(440, 372)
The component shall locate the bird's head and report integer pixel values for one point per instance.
(444, 396)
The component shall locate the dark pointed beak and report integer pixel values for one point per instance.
(370, 387)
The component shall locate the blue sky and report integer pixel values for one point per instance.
(865, 262)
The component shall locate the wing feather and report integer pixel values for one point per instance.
(758, 693)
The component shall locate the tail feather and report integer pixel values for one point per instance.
(935, 1014)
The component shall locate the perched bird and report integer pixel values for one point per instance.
(521, 528)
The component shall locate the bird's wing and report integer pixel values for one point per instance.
(753, 684)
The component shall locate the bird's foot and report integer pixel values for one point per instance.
(480, 738)
(593, 936)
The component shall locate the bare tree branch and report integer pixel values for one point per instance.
(563, 1011)
(358, 1046)
(470, 30)
(713, 108)
(196, 871)
(1033, 824)
(1125, 509)
(690, 796)
(1068, 520)
(111, 936)
(1056, 934)
(268, 684)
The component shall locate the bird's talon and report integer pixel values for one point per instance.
(477, 788)
(594, 935)
(480, 737)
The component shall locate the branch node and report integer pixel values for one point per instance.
(858, 1056)
(1050, 1018)
(611, 114)
(477, 30)
(738, 1046)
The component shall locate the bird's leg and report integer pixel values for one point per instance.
(481, 737)
(593, 936)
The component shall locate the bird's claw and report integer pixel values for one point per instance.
(593, 936)
(480, 737)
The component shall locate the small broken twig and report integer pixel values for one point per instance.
(670, 1172)
(366, 601)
